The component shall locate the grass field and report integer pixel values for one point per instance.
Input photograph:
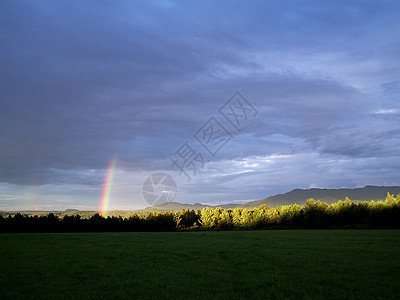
(294, 264)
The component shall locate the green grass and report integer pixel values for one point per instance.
(294, 264)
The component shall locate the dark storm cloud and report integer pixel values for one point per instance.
(82, 81)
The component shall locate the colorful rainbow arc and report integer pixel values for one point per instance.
(108, 179)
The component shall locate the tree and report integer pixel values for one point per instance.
(207, 219)
(314, 213)
(236, 216)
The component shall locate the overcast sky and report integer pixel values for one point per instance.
(82, 82)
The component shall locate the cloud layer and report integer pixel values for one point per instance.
(83, 81)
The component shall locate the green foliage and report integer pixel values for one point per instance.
(224, 220)
(236, 216)
(290, 214)
(187, 218)
(207, 219)
(314, 214)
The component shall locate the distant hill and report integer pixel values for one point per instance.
(39, 212)
(175, 206)
(298, 196)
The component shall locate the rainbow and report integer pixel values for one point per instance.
(105, 195)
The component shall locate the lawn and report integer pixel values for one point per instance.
(294, 264)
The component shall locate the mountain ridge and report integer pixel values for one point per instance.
(297, 196)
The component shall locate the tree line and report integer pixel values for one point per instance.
(314, 214)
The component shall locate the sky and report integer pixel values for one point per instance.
(89, 84)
